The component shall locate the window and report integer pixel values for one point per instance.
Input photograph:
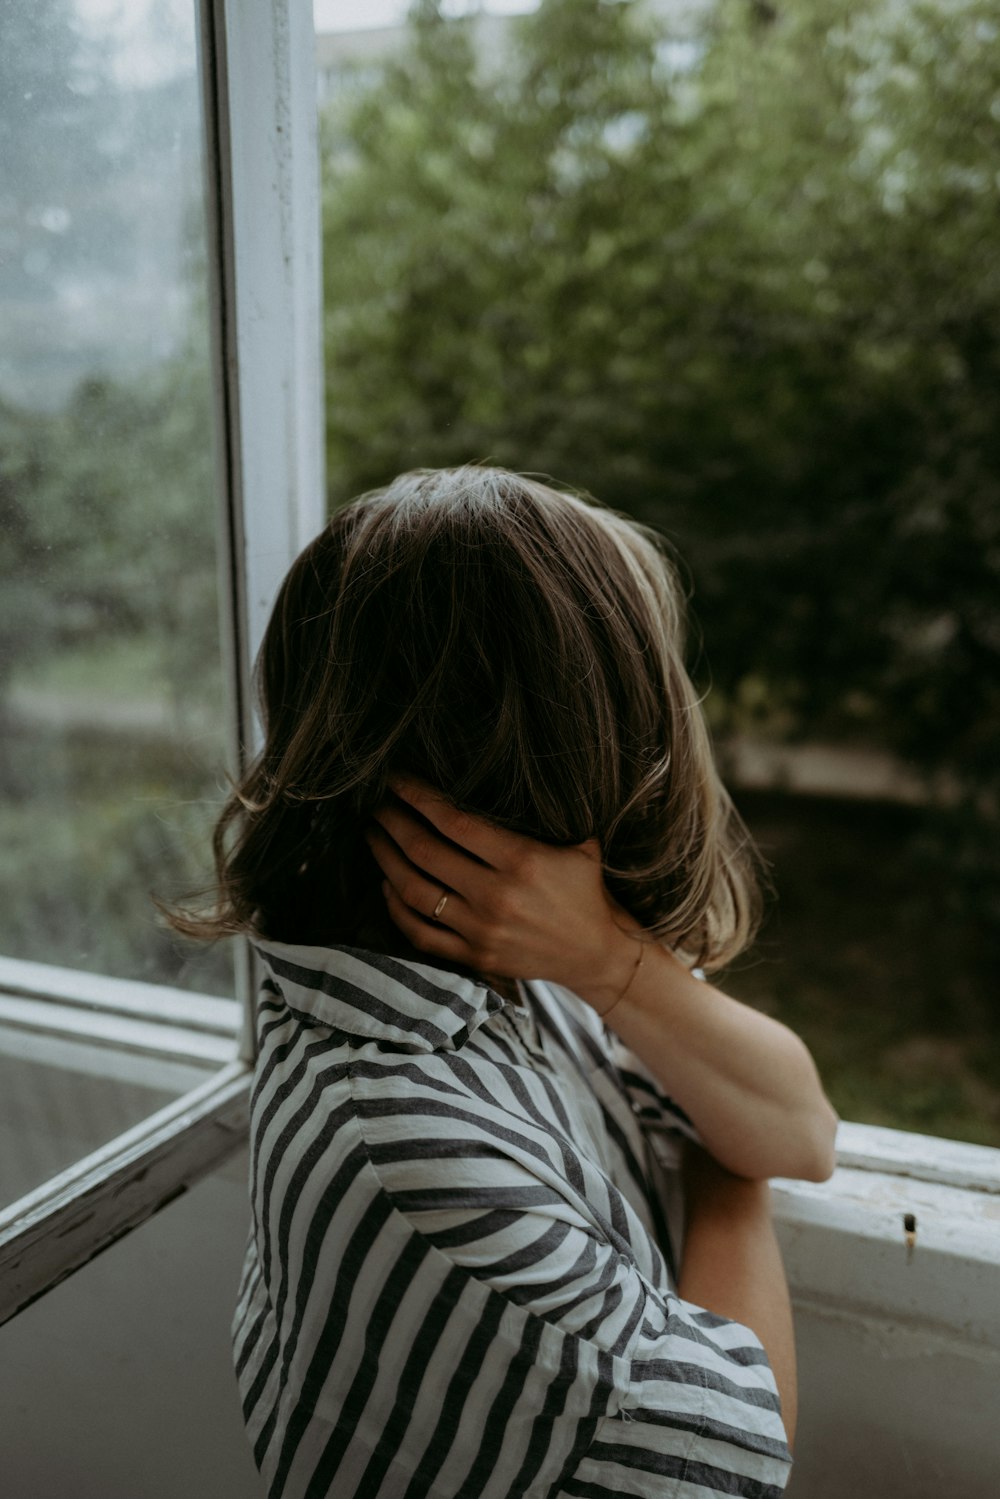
(82, 1003)
(115, 717)
(723, 266)
(160, 465)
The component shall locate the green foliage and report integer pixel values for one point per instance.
(754, 299)
(757, 303)
(96, 823)
(889, 985)
(107, 507)
(108, 558)
(107, 526)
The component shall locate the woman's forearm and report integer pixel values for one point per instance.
(747, 1082)
(732, 1266)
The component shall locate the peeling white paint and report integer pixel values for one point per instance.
(846, 1245)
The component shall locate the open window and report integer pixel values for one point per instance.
(145, 1069)
(162, 463)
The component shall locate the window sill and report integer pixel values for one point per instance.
(847, 1250)
(55, 1230)
(844, 1241)
(156, 1037)
(78, 999)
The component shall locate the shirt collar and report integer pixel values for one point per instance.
(412, 1006)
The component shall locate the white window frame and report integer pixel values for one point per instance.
(262, 195)
(257, 62)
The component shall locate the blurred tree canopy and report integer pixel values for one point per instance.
(107, 521)
(745, 287)
(107, 526)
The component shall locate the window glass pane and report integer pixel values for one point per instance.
(734, 271)
(111, 692)
(52, 1113)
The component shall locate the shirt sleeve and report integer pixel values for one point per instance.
(587, 1379)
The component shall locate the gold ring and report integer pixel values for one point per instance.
(440, 905)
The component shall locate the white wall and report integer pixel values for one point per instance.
(898, 1336)
(118, 1384)
(892, 1412)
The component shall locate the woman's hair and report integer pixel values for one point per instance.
(516, 647)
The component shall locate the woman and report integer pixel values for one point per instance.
(485, 819)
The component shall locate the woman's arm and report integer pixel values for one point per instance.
(732, 1265)
(747, 1082)
(524, 909)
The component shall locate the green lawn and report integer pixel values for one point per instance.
(121, 669)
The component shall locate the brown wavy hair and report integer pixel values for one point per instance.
(521, 649)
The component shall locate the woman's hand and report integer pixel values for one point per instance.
(512, 906)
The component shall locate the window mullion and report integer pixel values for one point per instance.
(262, 181)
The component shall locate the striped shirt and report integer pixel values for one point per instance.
(460, 1280)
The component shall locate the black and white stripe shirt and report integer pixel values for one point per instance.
(459, 1281)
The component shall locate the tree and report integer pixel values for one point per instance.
(756, 302)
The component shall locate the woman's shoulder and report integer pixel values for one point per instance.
(377, 996)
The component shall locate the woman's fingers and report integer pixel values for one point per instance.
(426, 936)
(514, 905)
(413, 886)
(494, 846)
(429, 853)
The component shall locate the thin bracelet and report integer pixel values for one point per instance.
(635, 970)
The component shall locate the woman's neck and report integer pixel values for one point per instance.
(503, 986)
